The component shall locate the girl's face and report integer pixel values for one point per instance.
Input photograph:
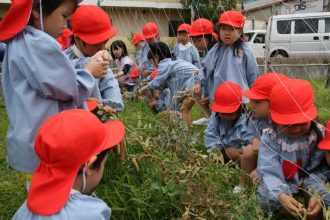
(56, 22)
(260, 108)
(200, 43)
(183, 37)
(89, 50)
(117, 51)
(229, 116)
(295, 131)
(229, 34)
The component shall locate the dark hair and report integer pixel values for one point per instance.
(212, 41)
(182, 32)
(161, 50)
(97, 162)
(118, 44)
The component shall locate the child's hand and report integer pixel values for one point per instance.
(291, 205)
(198, 89)
(146, 73)
(109, 109)
(102, 55)
(197, 72)
(97, 68)
(142, 90)
(314, 206)
(153, 104)
(254, 176)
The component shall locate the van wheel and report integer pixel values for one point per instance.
(279, 54)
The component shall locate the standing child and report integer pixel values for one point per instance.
(227, 122)
(72, 147)
(229, 60)
(138, 42)
(289, 161)
(184, 49)
(91, 30)
(38, 80)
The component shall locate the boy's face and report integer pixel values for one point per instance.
(94, 177)
(200, 43)
(183, 37)
(295, 131)
(229, 34)
(260, 108)
(90, 50)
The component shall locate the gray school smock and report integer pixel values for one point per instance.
(38, 82)
(221, 65)
(77, 207)
(146, 64)
(188, 53)
(106, 89)
(276, 152)
(221, 134)
(177, 75)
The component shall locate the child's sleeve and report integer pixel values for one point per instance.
(160, 80)
(252, 70)
(110, 91)
(270, 169)
(195, 57)
(211, 135)
(244, 131)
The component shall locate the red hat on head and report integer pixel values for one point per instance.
(137, 38)
(135, 72)
(150, 30)
(92, 24)
(232, 18)
(15, 19)
(262, 87)
(184, 27)
(227, 98)
(64, 38)
(154, 74)
(92, 104)
(325, 143)
(200, 27)
(292, 102)
(64, 143)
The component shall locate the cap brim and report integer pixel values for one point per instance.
(15, 19)
(229, 23)
(92, 105)
(98, 38)
(225, 109)
(251, 95)
(115, 133)
(324, 145)
(150, 36)
(296, 118)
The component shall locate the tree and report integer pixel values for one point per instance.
(210, 9)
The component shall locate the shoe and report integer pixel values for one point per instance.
(201, 121)
(238, 189)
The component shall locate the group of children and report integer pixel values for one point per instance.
(277, 141)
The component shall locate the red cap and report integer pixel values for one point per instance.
(292, 102)
(92, 24)
(137, 38)
(92, 104)
(325, 143)
(262, 87)
(15, 19)
(64, 38)
(184, 27)
(201, 26)
(150, 30)
(227, 98)
(64, 143)
(232, 18)
(154, 74)
(135, 72)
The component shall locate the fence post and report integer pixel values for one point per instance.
(327, 84)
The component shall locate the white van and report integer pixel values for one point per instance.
(256, 39)
(299, 35)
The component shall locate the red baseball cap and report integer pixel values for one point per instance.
(135, 72)
(262, 87)
(292, 102)
(184, 27)
(92, 104)
(154, 74)
(15, 19)
(325, 143)
(64, 143)
(137, 38)
(200, 27)
(150, 30)
(92, 24)
(227, 98)
(232, 18)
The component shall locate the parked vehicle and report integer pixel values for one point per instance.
(299, 35)
(256, 39)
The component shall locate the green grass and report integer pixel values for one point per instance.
(167, 173)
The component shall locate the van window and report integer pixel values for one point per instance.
(306, 26)
(259, 39)
(284, 27)
(327, 25)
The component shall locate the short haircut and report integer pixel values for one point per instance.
(116, 45)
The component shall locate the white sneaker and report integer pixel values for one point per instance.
(238, 189)
(201, 121)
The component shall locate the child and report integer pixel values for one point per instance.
(229, 60)
(175, 74)
(38, 80)
(72, 147)
(289, 161)
(325, 143)
(259, 101)
(92, 29)
(124, 62)
(227, 119)
(184, 49)
(138, 42)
